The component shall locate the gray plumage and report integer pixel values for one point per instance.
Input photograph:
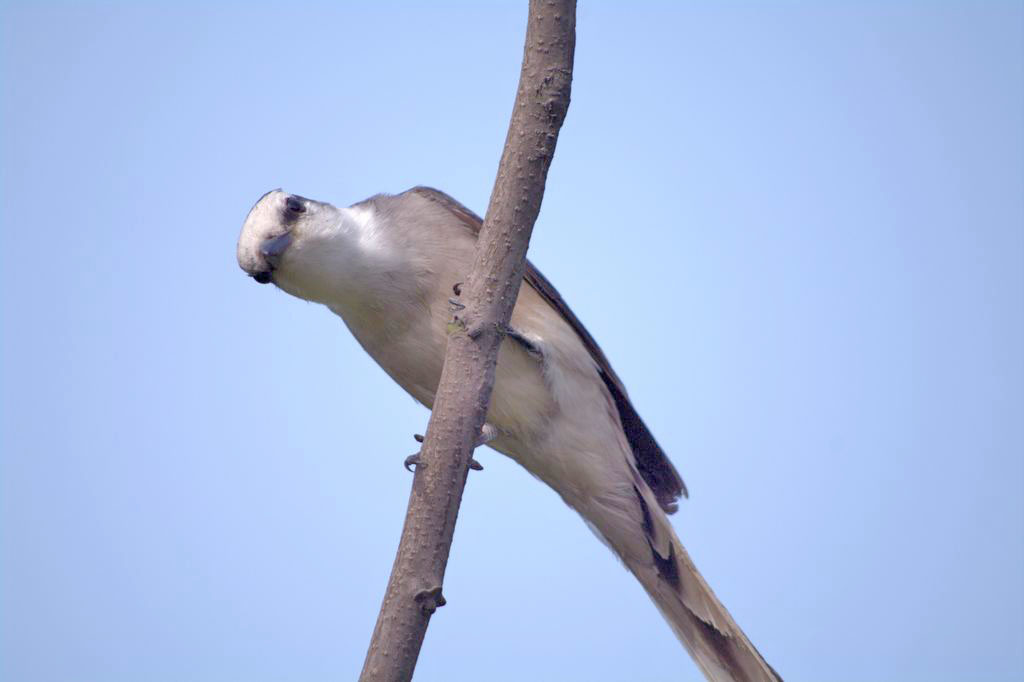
(387, 266)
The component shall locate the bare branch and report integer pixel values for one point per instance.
(488, 294)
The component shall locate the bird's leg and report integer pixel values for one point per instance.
(487, 434)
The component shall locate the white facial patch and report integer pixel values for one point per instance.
(261, 223)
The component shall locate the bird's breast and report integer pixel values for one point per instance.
(409, 343)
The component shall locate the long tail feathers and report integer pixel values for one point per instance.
(719, 647)
(704, 626)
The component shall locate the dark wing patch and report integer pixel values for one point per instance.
(654, 466)
(667, 567)
(648, 522)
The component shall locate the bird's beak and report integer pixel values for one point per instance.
(272, 250)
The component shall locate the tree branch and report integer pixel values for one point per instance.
(464, 393)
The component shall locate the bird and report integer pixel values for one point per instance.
(387, 266)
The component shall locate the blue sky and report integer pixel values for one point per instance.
(797, 230)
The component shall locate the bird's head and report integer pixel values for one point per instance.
(297, 243)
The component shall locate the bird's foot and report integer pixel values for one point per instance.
(487, 434)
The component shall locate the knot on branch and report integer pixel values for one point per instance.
(553, 93)
(430, 600)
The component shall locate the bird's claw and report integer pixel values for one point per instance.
(487, 434)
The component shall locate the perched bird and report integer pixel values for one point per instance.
(387, 266)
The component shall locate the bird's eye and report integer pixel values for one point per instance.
(294, 205)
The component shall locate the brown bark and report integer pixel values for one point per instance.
(489, 293)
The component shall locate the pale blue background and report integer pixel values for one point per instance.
(797, 229)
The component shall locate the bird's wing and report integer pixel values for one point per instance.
(652, 463)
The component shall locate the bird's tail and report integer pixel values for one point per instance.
(663, 566)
